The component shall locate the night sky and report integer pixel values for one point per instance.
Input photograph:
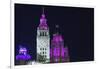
(76, 25)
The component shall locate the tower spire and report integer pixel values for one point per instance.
(43, 15)
(42, 10)
(43, 21)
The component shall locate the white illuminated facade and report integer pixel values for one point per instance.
(43, 41)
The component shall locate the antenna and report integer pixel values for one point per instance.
(43, 10)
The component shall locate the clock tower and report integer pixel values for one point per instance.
(43, 40)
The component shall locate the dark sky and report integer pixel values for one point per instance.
(75, 24)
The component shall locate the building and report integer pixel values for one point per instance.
(43, 40)
(58, 53)
(23, 57)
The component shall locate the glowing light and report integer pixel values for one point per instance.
(57, 38)
(23, 54)
(57, 51)
(23, 51)
(43, 24)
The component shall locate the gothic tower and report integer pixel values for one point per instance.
(58, 53)
(43, 40)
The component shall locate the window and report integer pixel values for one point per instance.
(40, 48)
(44, 33)
(40, 33)
(40, 53)
(45, 56)
(43, 52)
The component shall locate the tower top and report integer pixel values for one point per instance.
(57, 36)
(43, 21)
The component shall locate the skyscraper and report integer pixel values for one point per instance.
(43, 40)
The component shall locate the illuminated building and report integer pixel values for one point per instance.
(23, 57)
(43, 40)
(58, 53)
(47, 52)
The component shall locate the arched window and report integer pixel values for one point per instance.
(45, 33)
(40, 33)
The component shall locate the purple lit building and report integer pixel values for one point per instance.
(58, 53)
(23, 57)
